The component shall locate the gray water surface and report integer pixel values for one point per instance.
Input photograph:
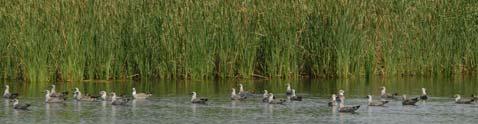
(170, 103)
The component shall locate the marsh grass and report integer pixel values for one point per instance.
(191, 39)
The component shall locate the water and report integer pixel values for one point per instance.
(170, 103)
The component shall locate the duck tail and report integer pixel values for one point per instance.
(204, 99)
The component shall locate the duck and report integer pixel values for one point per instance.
(271, 100)
(384, 94)
(140, 95)
(333, 100)
(288, 90)
(8, 95)
(340, 96)
(53, 92)
(242, 92)
(196, 100)
(79, 97)
(293, 97)
(459, 100)
(375, 103)
(234, 96)
(407, 101)
(20, 106)
(265, 96)
(118, 100)
(49, 99)
(347, 109)
(104, 96)
(424, 95)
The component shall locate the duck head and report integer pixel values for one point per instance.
(404, 97)
(266, 94)
(194, 96)
(457, 97)
(241, 88)
(293, 92)
(6, 90)
(52, 88)
(271, 97)
(134, 91)
(288, 87)
(233, 93)
(333, 97)
(113, 96)
(341, 92)
(383, 90)
(369, 97)
(424, 91)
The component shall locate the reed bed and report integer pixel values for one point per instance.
(71, 40)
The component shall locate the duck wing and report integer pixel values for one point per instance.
(281, 101)
(465, 101)
(200, 101)
(296, 98)
(409, 102)
(142, 95)
(349, 109)
(378, 103)
(22, 106)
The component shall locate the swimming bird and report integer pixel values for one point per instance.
(234, 96)
(104, 96)
(293, 97)
(375, 103)
(196, 100)
(8, 95)
(340, 96)
(384, 94)
(407, 101)
(118, 100)
(243, 93)
(347, 109)
(265, 96)
(20, 106)
(289, 90)
(333, 100)
(79, 97)
(53, 92)
(49, 99)
(140, 95)
(424, 95)
(459, 100)
(271, 100)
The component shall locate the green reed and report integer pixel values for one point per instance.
(190, 39)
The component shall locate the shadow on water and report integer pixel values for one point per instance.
(171, 102)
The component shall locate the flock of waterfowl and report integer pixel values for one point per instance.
(51, 96)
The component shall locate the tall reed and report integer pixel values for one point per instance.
(191, 39)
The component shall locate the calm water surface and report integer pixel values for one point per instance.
(170, 103)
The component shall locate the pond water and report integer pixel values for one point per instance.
(170, 102)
